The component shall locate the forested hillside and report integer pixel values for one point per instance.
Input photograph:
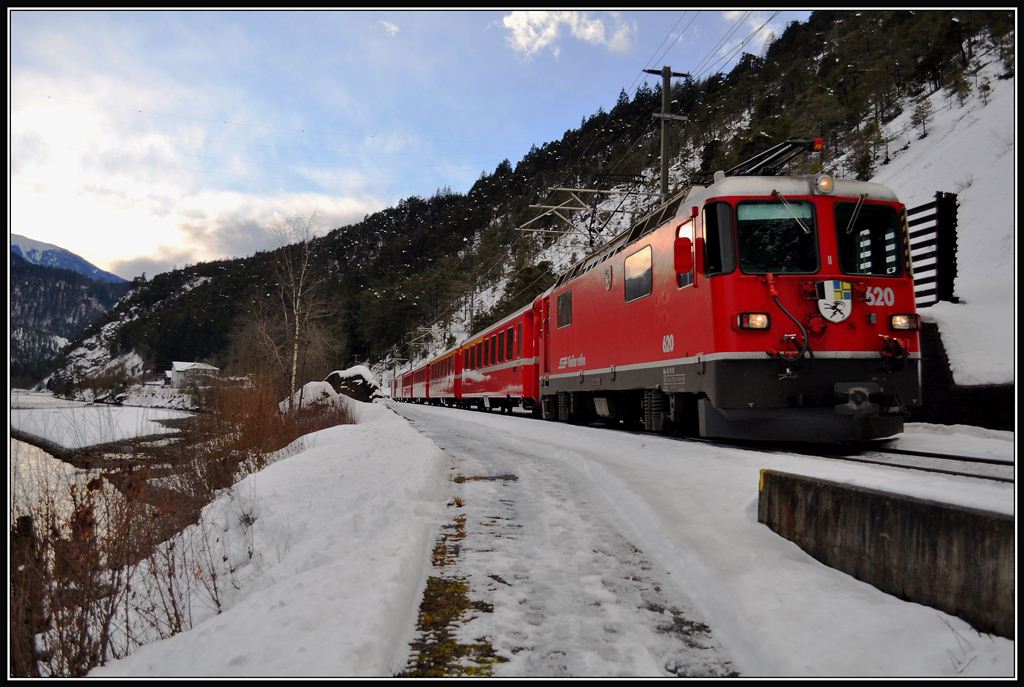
(49, 306)
(841, 75)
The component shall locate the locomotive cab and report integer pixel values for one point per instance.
(816, 326)
(758, 307)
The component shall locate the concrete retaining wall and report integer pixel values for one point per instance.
(946, 403)
(959, 560)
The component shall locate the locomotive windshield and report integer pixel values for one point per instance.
(777, 237)
(869, 239)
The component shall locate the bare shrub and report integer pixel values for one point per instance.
(68, 575)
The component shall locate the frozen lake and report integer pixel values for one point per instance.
(74, 425)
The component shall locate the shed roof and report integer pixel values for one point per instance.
(181, 367)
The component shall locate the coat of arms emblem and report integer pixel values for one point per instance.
(835, 299)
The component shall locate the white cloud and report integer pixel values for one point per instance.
(389, 27)
(117, 170)
(532, 31)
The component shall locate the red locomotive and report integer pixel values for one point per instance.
(754, 307)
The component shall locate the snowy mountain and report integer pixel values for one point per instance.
(49, 255)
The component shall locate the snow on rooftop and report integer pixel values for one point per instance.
(178, 366)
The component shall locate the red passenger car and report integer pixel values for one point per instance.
(420, 392)
(446, 377)
(499, 365)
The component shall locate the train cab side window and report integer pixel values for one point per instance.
(519, 338)
(685, 231)
(510, 352)
(639, 277)
(487, 352)
(501, 347)
(564, 308)
(719, 249)
(870, 239)
(494, 348)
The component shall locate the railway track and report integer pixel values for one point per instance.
(977, 467)
(942, 463)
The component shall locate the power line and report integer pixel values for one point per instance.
(661, 58)
(722, 41)
(651, 60)
(739, 47)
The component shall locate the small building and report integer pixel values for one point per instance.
(185, 374)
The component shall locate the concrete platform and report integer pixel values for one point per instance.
(954, 558)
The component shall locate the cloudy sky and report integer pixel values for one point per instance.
(147, 140)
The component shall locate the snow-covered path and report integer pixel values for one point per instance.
(614, 554)
(572, 596)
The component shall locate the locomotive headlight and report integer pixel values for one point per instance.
(905, 322)
(824, 184)
(753, 320)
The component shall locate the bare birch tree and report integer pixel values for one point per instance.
(300, 275)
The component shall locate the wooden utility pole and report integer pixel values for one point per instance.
(665, 116)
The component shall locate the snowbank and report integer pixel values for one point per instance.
(340, 537)
(313, 394)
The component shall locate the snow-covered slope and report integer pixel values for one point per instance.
(970, 151)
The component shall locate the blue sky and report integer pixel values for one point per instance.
(144, 140)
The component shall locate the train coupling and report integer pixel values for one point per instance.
(855, 398)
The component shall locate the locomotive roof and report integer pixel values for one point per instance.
(733, 186)
(787, 186)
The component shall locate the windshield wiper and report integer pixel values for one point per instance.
(791, 212)
(856, 212)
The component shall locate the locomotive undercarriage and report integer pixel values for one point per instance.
(750, 398)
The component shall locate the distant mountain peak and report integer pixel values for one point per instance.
(49, 255)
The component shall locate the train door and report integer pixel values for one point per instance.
(540, 326)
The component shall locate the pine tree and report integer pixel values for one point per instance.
(922, 113)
